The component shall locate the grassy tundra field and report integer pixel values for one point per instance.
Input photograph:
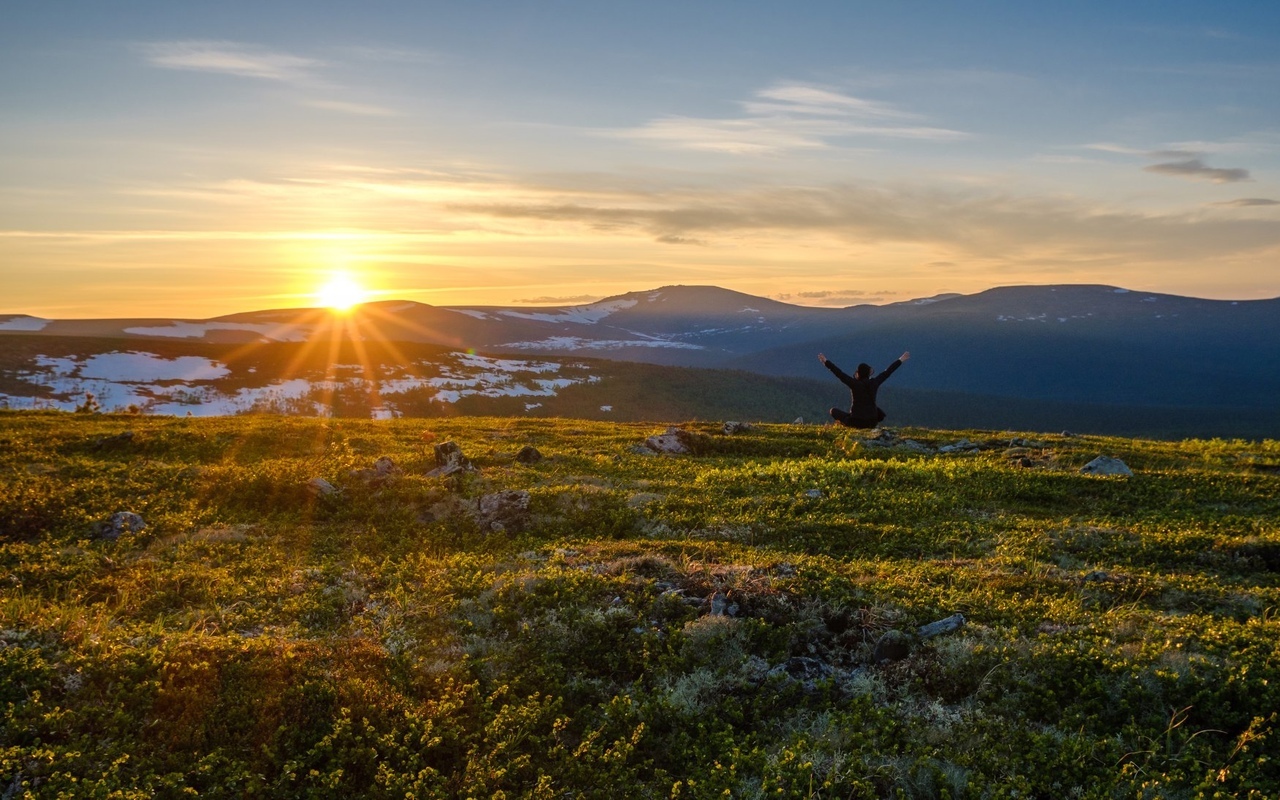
(740, 621)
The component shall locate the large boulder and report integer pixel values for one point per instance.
(1106, 465)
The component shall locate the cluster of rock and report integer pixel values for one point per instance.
(494, 512)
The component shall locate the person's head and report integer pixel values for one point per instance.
(863, 372)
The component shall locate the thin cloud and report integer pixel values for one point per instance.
(228, 58)
(834, 298)
(1195, 169)
(1245, 202)
(555, 301)
(787, 116)
(344, 107)
(963, 225)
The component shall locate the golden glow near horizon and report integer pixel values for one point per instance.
(341, 293)
(819, 163)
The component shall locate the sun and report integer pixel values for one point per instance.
(341, 293)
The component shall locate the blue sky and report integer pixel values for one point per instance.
(199, 158)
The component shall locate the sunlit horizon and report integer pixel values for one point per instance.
(174, 160)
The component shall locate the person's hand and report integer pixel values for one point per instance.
(822, 358)
(904, 356)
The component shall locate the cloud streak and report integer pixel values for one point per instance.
(967, 224)
(228, 58)
(788, 116)
(1195, 169)
(1247, 202)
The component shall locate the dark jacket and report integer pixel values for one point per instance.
(863, 392)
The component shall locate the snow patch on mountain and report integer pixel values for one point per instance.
(471, 312)
(578, 343)
(24, 323)
(195, 330)
(190, 385)
(136, 367)
(580, 315)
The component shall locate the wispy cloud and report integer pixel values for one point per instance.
(1245, 202)
(554, 301)
(1196, 169)
(836, 298)
(788, 116)
(345, 107)
(228, 58)
(959, 225)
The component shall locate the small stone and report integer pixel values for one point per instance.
(674, 442)
(449, 459)
(503, 511)
(814, 493)
(1068, 435)
(736, 427)
(1025, 462)
(892, 646)
(386, 467)
(719, 603)
(529, 455)
(798, 421)
(119, 523)
(948, 625)
(321, 488)
(912, 446)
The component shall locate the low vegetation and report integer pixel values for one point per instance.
(694, 626)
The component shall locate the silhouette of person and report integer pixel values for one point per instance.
(863, 411)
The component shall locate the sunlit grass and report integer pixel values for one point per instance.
(256, 639)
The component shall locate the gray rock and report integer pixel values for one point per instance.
(912, 446)
(450, 460)
(1106, 465)
(529, 455)
(118, 523)
(1068, 435)
(891, 646)
(719, 603)
(321, 488)
(951, 624)
(674, 442)
(383, 470)
(503, 511)
(798, 421)
(814, 493)
(736, 427)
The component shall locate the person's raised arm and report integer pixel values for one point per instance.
(831, 365)
(884, 376)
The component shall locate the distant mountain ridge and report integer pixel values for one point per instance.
(1079, 344)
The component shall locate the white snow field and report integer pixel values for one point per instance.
(190, 385)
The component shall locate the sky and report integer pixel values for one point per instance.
(193, 159)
